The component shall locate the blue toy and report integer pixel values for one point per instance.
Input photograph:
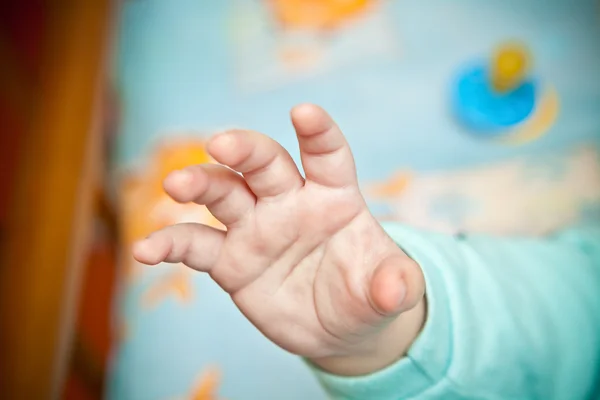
(494, 97)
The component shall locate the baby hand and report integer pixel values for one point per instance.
(302, 258)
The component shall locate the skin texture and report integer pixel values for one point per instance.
(302, 257)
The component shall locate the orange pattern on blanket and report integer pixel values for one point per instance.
(208, 386)
(391, 187)
(317, 14)
(175, 285)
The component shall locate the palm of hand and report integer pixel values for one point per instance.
(303, 259)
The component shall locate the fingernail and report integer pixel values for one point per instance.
(223, 139)
(183, 176)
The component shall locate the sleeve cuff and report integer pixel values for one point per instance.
(428, 358)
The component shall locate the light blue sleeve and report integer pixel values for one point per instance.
(508, 318)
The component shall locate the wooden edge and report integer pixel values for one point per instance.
(51, 204)
(16, 89)
(88, 195)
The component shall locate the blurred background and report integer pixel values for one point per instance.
(477, 116)
(58, 255)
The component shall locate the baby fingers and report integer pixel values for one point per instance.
(197, 246)
(224, 192)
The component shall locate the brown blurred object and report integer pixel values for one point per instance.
(50, 152)
(21, 36)
(92, 337)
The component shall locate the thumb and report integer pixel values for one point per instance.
(397, 285)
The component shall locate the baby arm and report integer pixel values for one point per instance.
(309, 266)
(507, 318)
